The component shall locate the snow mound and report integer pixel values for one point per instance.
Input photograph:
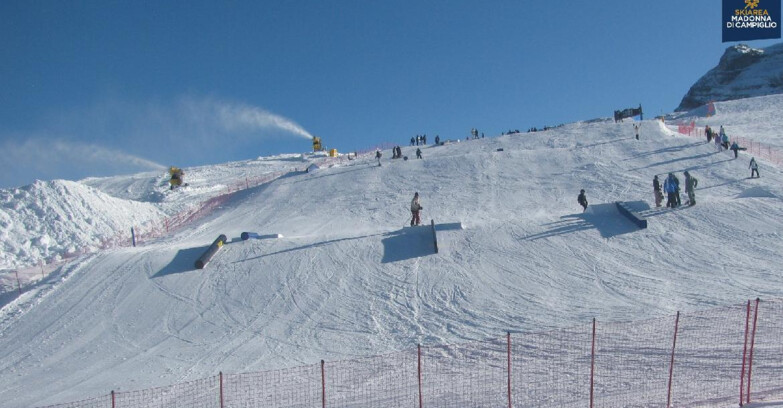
(47, 220)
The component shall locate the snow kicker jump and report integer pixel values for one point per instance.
(247, 235)
(210, 252)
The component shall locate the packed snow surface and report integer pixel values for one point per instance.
(347, 277)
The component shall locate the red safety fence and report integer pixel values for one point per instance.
(721, 357)
(758, 150)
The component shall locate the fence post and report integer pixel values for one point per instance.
(508, 342)
(221, 389)
(592, 366)
(323, 385)
(744, 355)
(752, 343)
(112, 398)
(671, 363)
(419, 358)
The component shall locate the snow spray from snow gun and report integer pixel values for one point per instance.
(210, 252)
(236, 116)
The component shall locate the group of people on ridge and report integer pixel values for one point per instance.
(419, 140)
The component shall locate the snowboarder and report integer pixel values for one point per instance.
(734, 148)
(657, 191)
(437, 140)
(670, 188)
(690, 183)
(582, 200)
(415, 210)
(754, 168)
(636, 129)
(418, 153)
(378, 156)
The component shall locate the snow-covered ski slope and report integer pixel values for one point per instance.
(346, 279)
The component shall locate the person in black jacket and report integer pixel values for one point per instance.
(582, 200)
(657, 191)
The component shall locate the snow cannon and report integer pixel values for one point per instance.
(247, 235)
(210, 252)
(317, 147)
(176, 177)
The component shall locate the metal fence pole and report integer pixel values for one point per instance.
(752, 343)
(592, 366)
(419, 358)
(323, 385)
(508, 353)
(671, 363)
(744, 355)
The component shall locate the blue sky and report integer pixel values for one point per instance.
(95, 88)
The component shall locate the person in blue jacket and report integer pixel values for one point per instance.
(670, 188)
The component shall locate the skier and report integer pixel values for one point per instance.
(437, 140)
(636, 128)
(657, 191)
(415, 210)
(582, 200)
(378, 156)
(669, 187)
(690, 183)
(412, 140)
(418, 153)
(708, 132)
(734, 148)
(754, 168)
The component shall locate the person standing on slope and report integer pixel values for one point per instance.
(676, 189)
(734, 148)
(378, 156)
(669, 187)
(754, 168)
(415, 210)
(657, 191)
(418, 153)
(690, 183)
(582, 200)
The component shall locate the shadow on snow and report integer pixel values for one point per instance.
(408, 243)
(603, 217)
(184, 261)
